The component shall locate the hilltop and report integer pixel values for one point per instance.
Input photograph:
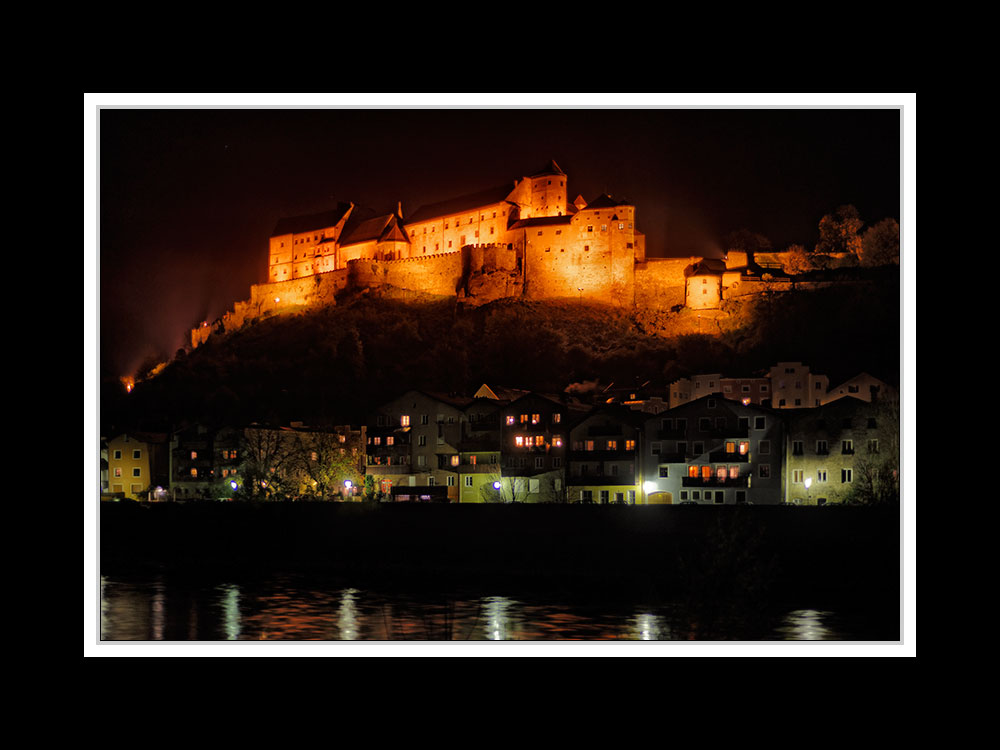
(335, 364)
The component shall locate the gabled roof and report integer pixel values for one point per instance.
(488, 197)
(376, 228)
(714, 266)
(499, 393)
(311, 222)
(606, 201)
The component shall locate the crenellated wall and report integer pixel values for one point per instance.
(435, 274)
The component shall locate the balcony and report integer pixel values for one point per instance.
(722, 457)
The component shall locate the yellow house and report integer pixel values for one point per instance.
(137, 464)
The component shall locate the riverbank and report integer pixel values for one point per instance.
(710, 553)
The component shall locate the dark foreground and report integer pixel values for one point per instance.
(745, 556)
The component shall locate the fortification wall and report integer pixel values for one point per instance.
(435, 274)
(660, 282)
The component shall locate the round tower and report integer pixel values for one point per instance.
(548, 191)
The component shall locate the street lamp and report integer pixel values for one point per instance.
(808, 484)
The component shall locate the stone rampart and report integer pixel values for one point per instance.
(660, 282)
(434, 274)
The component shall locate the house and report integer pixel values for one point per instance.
(713, 451)
(534, 435)
(830, 447)
(605, 457)
(138, 466)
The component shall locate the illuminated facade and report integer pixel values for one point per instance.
(714, 451)
(560, 249)
(829, 447)
(137, 464)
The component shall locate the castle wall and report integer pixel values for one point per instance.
(660, 282)
(439, 274)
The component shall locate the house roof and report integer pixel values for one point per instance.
(488, 197)
(311, 222)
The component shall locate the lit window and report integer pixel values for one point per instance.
(557, 441)
(693, 472)
(454, 460)
(589, 445)
(390, 440)
(706, 472)
(730, 447)
(630, 445)
(734, 472)
(612, 445)
(535, 418)
(510, 419)
(377, 441)
(556, 418)
(194, 473)
(405, 420)
(744, 447)
(518, 440)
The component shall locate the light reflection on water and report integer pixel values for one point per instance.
(289, 609)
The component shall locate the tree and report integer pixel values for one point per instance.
(838, 232)
(798, 261)
(267, 459)
(743, 240)
(322, 462)
(880, 244)
(876, 475)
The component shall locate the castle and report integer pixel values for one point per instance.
(522, 240)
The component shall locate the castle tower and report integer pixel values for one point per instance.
(541, 194)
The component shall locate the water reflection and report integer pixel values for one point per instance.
(806, 625)
(287, 608)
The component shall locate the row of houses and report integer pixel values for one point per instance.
(698, 443)
(501, 445)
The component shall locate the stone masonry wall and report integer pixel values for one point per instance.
(660, 282)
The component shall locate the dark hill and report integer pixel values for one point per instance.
(335, 365)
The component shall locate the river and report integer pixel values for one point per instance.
(162, 608)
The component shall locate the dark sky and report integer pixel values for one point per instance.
(188, 197)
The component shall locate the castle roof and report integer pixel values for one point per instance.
(310, 222)
(713, 266)
(375, 228)
(550, 168)
(541, 221)
(463, 203)
(606, 201)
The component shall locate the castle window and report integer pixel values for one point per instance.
(558, 231)
(604, 227)
(449, 243)
(590, 228)
(539, 232)
(586, 247)
(621, 225)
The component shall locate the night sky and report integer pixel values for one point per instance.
(186, 198)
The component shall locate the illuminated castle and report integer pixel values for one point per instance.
(560, 248)
(521, 240)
